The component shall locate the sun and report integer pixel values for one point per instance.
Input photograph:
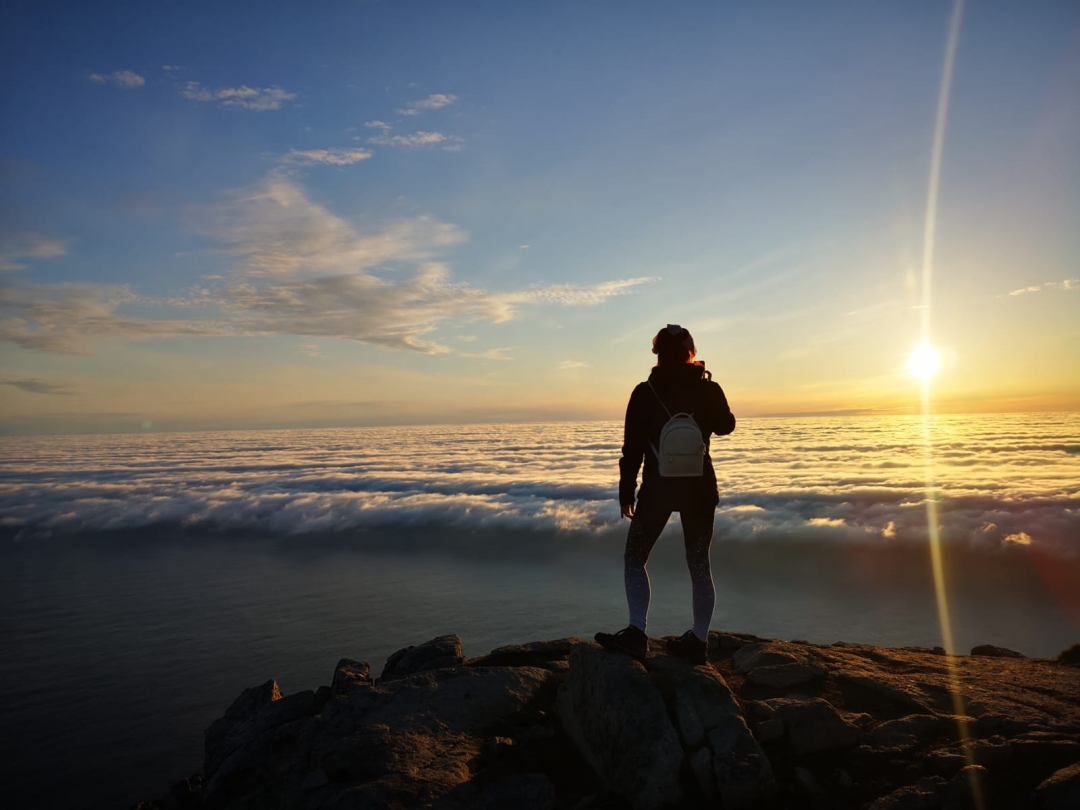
(923, 362)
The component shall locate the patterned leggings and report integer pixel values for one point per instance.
(645, 528)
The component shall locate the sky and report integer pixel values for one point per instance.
(369, 213)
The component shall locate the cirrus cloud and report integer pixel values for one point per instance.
(34, 385)
(28, 245)
(1066, 284)
(242, 97)
(327, 157)
(433, 102)
(127, 79)
(416, 140)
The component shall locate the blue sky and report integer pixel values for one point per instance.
(247, 215)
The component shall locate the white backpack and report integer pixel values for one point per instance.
(681, 453)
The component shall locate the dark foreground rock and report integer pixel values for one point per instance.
(564, 724)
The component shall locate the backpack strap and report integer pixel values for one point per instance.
(662, 405)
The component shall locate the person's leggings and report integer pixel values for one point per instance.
(645, 528)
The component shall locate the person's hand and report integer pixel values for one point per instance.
(627, 510)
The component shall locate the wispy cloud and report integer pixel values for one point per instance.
(27, 245)
(329, 157)
(122, 78)
(302, 270)
(490, 354)
(243, 97)
(577, 295)
(416, 140)
(569, 364)
(66, 318)
(1066, 284)
(171, 68)
(432, 102)
(276, 229)
(385, 127)
(35, 385)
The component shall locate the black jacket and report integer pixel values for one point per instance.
(684, 388)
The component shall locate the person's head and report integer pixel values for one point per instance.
(673, 346)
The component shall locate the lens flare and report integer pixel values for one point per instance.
(924, 362)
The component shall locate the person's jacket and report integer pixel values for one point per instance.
(686, 388)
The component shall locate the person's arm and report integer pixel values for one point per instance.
(723, 421)
(633, 453)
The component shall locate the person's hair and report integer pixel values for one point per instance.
(673, 345)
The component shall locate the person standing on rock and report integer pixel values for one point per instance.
(669, 420)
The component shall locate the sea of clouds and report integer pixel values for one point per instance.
(998, 480)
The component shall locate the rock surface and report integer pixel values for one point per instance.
(556, 725)
(620, 724)
(1061, 791)
(439, 653)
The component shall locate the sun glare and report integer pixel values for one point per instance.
(924, 362)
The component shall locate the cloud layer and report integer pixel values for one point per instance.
(1003, 481)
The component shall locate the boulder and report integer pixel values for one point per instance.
(776, 665)
(349, 673)
(992, 752)
(1061, 791)
(733, 768)
(990, 651)
(813, 726)
(528, 791)
(923, 795)
(764, 654)
(256, 711)
(781, 676)
(906, 696)
(547, 654)
(908, 732)
(933, 792)
(768, 730)
(251, 749)
(256, 774)
(719, 640)
(473, 701)
(439, 653)
(1071, 656)
(416, 741)
(183, 795)
(618, 722)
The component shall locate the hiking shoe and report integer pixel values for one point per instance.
(630, 640)
(690, 647)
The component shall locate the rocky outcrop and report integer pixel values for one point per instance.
(439, 653)
(1061, 791)
(776, 664)
(618, 721)
(990, 651)
(563, 724)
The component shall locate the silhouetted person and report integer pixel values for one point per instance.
(668, 424)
